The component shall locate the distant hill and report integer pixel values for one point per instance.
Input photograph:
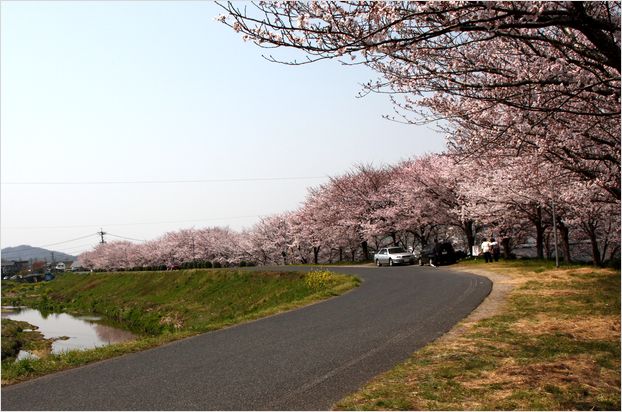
(25, 252)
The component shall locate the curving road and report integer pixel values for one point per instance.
(305, 359)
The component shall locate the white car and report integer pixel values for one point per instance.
(393, 256)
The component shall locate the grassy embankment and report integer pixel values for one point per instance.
(163, 306)
(553, 344)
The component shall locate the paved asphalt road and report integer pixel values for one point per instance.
(305, 359)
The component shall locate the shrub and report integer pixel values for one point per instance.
(318, 279)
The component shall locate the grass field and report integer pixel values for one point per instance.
(164, 306)
(552, 344)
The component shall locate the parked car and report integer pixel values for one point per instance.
(393, 256)
(440, 254)
(30, 278)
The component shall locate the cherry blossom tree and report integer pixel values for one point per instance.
(528, 94)
(216, 244)
(339, 216)
(513, 193)
(509, 78)
(271, 239)
(594, 219)
(429, 199)
(109, 256)
(356, 196)
(515, 197)
(409, 204)
(306, 236)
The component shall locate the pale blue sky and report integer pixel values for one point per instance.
(137, 91)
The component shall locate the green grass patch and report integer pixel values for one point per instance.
(164, 306)
(554, 345)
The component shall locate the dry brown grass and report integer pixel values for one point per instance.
(545, 339)
(589, 328)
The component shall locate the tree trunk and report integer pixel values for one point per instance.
(265, 257)
(564, 233)
(341, 254)
(365, 250)
(614, 252)
(469, 232)
(596, 259)
(539, 233)
(394, 237)
(316, 252)
(303, 258)
(506, 242)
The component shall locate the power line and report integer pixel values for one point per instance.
(68, 241)
(149, 182)
(68, 250)
(137, 224)
(126, 238)
(74, 251)
(25, 247)
(21, 249)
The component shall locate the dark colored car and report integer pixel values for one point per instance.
(439, 254)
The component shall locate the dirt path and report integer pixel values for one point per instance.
(502, 285)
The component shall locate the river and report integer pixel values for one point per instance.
(76, 333)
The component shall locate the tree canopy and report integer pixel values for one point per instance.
(509, 78)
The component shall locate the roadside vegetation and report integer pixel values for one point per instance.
(162, 306)
(553, 344)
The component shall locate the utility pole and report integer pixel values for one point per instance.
(101, 233)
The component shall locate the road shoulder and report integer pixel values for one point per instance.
(502, 285)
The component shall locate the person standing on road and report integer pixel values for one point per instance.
(486, 250)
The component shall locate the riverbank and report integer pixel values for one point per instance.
(22, 336)
(164, 306)
(545, 339)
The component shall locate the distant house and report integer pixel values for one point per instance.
(38, 266)
(12, 267)
(60, 266)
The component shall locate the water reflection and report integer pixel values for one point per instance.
(82, 332)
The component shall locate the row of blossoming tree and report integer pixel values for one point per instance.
(410, 204)
(527, 92)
